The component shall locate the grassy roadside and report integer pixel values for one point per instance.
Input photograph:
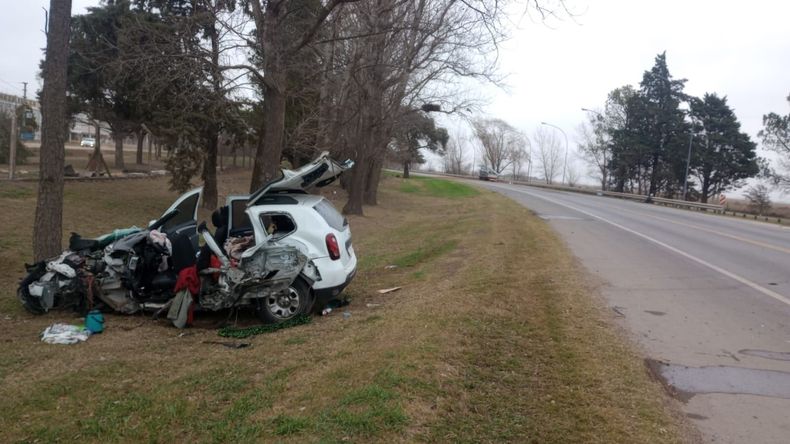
(492, 338)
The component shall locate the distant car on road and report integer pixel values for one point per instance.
(89, 142)
(488, 174)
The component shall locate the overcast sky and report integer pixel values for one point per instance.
(733, 48)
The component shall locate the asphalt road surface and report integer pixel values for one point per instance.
(706, 298)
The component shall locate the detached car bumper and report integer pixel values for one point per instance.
(324, 295)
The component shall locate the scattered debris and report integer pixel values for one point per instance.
(333, 304)
(619, 311)
(65, 334)
(346, 314)
(140, 324)
(390, 267)
(230, 344)
(372, 305)
(241, 333)
(68, 171)
(655, 312)
(389, 290)
(94, 322)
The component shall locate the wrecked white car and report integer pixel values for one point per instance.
(276, 251)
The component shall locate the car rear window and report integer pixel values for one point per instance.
(186, 213)
(239, 219)
(330, 215)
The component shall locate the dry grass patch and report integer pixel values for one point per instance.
(492, 338)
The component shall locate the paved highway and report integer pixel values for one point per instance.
(708, 295)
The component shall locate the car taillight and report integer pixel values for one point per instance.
(332, 247)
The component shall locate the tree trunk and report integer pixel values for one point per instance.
(272, 40)
(97, 143)
(356, 187)
(48, 223)
(372, 185)
(119, 151)
(210, 173)
(270, 146)
(139, 159)
(405, 170)
(705, 191)
(653, 177)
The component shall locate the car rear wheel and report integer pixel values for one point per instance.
(295, 301)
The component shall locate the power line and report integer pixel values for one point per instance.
(17, 88)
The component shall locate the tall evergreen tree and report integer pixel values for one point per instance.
(626, 117)
(723, 155)
(663, 127)
(417, 131)
(99, 82)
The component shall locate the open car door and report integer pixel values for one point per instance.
(184, 221)
(319, 173)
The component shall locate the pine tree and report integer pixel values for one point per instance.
(662, 125)
(722, 154)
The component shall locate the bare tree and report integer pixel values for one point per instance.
(776, 137)
(397, 55)
(281, 34)
(549, 152)
(595, 145)
(499, 141)
(454, 157)
(572, 175)
(518, 155)
(47, 228)
(759, 198)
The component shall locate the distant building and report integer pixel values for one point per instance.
(9, 103)
(81, 125)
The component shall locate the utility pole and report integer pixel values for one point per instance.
(24, 104)
(12, 148)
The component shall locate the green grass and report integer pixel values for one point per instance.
(16, 193)
(459, 354)
(432, 249)
(428, 186)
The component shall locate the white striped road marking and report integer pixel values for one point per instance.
(722, 271)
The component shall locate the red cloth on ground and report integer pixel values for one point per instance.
(188, 278)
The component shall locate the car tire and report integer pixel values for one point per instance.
(283, 307)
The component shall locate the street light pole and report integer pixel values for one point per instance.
(565, 163)
(688, 162)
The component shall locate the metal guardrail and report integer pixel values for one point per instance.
(664, 201)
(637, 197)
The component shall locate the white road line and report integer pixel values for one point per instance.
(702, 262)
(708, 230)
